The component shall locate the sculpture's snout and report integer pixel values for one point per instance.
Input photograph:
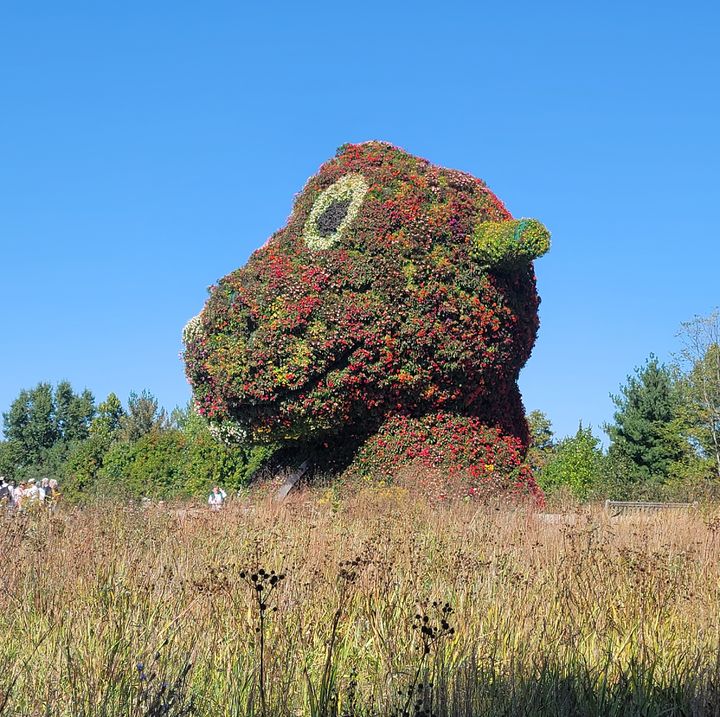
(510, 243)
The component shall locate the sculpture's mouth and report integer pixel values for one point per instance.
(255, 418)
(283, 393)
(254, 399)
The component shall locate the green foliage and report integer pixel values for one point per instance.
(29, 423)
(110, 414)
(702, 394)
(646, 437)
(83, 464)
(73, 413)
(10, 459)
(577, 464)
(164, 462)
(208, 461)
(86, 458)
(114, 452)
(111, 478)
(694, 478)
(152, 466)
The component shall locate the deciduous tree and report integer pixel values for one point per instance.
(39, 419)
(576, 463)
(700, 385)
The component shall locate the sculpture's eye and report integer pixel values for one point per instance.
(333, 211)
(328, 222)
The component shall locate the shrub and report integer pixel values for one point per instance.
(577, 464)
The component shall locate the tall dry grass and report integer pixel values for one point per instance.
(121, 611)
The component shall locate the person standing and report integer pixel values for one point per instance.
(5, 497)
(14, 493)
(46, 492)
(32, 492)
(217, 497)
(20, 495)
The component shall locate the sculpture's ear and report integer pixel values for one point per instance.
(510, 243)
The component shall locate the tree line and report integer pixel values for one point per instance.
(111, 450)
(664, 440)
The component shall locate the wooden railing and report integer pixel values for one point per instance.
(627, 506)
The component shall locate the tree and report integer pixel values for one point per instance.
(11, 459)
(73, 413)
(542, 440)
(109, 417)
(143, 415)
(700, 385)
(29, 423)
(86, 458)
(83, 464)
(41, 420)
(646, 436)
(576, 463)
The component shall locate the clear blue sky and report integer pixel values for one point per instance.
(146, 148)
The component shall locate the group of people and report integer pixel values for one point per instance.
(18, 496)
(14, 495)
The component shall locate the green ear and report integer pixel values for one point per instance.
(510, 243)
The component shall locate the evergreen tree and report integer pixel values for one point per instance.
(646, 437)
(542, 440)
(144, 414)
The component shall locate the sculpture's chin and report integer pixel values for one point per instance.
(249, 420)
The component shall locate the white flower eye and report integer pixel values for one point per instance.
(333, 210)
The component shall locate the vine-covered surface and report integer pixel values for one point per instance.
(394, 311)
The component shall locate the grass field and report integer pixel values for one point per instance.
(378, 605)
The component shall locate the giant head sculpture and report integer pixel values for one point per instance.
(397, 291)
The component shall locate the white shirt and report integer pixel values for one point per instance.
(217, 498)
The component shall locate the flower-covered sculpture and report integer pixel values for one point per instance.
(390, 317)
